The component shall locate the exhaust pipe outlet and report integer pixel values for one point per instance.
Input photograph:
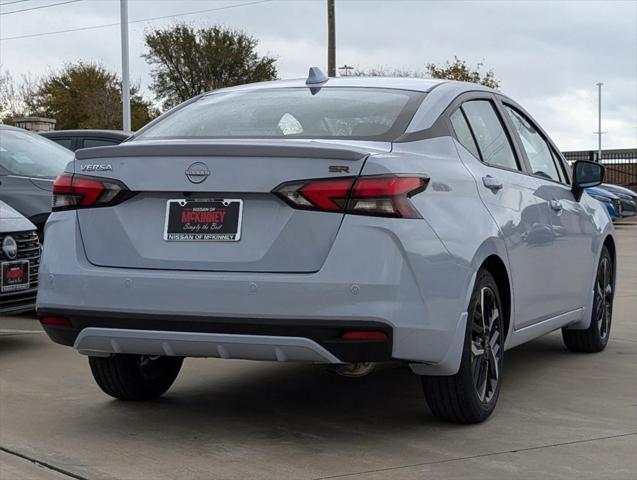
(354, 370)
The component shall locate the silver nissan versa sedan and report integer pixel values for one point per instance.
(344, 221)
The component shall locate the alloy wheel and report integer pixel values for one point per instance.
(486, 345)
(604, 297)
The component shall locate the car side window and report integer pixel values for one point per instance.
(563, 167)
(490, 135)
(463, 132)
(65, 142)
(537, 150)
(99, 142)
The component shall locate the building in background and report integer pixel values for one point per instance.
(35, 124)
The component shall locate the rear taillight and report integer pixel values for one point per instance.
(377, 195)
(71, 192)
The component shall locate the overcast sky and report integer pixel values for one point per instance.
(548, 55)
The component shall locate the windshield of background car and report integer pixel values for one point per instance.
(325, 113)
(31, 155)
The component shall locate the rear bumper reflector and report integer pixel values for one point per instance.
(362, 335)
(56, 322)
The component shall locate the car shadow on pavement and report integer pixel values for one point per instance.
(16, 341)
(245, 401)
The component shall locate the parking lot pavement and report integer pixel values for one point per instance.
(560, 416)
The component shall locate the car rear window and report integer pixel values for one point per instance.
(326, 113)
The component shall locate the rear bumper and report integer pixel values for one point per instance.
(104, 341)
(401, 281)
(94, 333)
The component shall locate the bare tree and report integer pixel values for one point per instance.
(18, 99)
(385, 71)
(456, 70)
(11, 104)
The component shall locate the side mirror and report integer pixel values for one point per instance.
(586, 174)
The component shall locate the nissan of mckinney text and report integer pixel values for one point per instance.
(341, 221)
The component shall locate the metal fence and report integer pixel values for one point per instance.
(620, 165)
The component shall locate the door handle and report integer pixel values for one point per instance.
(492, 183)
(556, 205)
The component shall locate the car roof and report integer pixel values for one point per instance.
(416, 84)
(87, 132)
(619, 188)
(76, 132)
(12, 128)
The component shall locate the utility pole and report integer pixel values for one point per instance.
(331, 40)
(126, 123)
(599, 122)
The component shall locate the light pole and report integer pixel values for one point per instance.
(599, 122)
(126, 123)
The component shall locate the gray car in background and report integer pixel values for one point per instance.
(86, 138)
(28, 165)
(342, 221)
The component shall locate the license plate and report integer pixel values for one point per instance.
(15, 276)
(203, 220)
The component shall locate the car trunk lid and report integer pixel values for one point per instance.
(195, 178)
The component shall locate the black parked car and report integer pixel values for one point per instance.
(76, 139)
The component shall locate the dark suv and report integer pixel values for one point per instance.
(76, 139)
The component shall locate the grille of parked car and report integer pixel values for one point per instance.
(28, 249)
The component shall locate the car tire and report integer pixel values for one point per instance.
(135, 377)
(595, 338)
(470, 395)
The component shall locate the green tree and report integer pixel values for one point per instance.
(459, 70)
(86, 95)
(187, 61)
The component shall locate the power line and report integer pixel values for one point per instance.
(106, 25)
(11, 3)
(60, 31)
(40, 6)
